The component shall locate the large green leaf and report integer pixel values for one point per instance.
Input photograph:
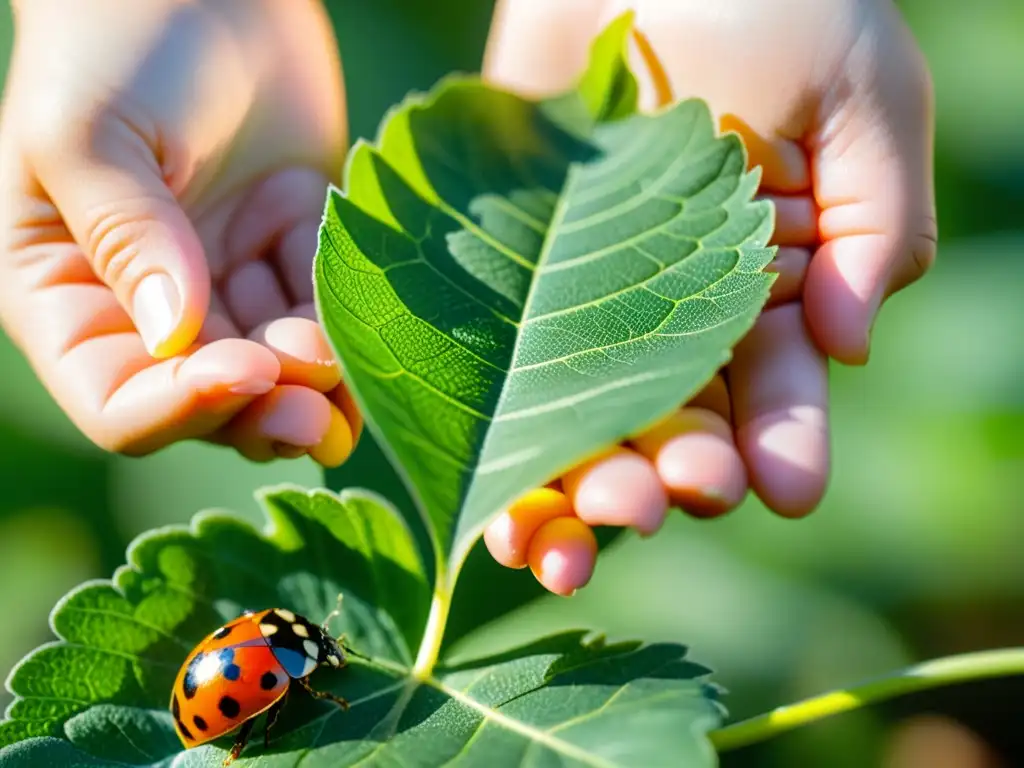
(98, 697)
(512, 286)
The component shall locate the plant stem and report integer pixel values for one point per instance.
(930, 674)
(433, 634)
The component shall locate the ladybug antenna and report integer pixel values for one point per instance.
(335, 612)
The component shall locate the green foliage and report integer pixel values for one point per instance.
(105, 685)
(122, 641)
(512, 286)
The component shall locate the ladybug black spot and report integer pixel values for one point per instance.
(185, 731)
(176, 713)
(232, 672)
(221, 633)
(229, 707)
(200, 723)
(268, 681)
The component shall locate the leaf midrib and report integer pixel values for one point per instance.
(535, 735)
(557, 216)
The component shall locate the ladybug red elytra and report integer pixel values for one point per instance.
(244, 669)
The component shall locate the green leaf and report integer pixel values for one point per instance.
(98, 696)
(608, 87)
(122, 641)
(561, 700)
(511, 287)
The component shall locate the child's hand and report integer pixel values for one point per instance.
(834, 102)
(158, 158)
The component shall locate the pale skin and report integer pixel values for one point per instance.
(162, 179)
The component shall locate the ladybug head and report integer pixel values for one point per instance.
(331, 653)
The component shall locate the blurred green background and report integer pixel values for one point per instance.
(916, 551)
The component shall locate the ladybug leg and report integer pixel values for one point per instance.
(240, 742)
(272, 715)
(304, 682)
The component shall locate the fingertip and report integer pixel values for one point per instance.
(621, 488)
(697, 461)
(336, 445)
(167, 316)
(288, 415)
(841, 298)
(302, 350)
(562, 555)
(508, 536)
(788, 457)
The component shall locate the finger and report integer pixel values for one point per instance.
(697, 461)
(294, 259)
(288, 417)
(779, 384)
(253, 295)
(538, 48)
(619, 488)
(110, 191)
(790, 264)
(783, 162)
(873, 182)
(508, 536)
(342, 398)
(307, 360)
(562, 555)
(305, 356)
(99, 371)
(280, 222)
(796, 220)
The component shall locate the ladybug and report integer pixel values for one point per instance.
(246, 668)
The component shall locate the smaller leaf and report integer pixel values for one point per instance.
(608, 86)
(122, 641)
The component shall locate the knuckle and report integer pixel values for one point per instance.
(111, 237)
(114, 234)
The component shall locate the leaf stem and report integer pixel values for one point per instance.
(433, 634)
(930, 674)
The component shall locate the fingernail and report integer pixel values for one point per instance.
(288, 425)
(155, 309)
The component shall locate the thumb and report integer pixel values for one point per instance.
(112, 195)
(873, 183)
